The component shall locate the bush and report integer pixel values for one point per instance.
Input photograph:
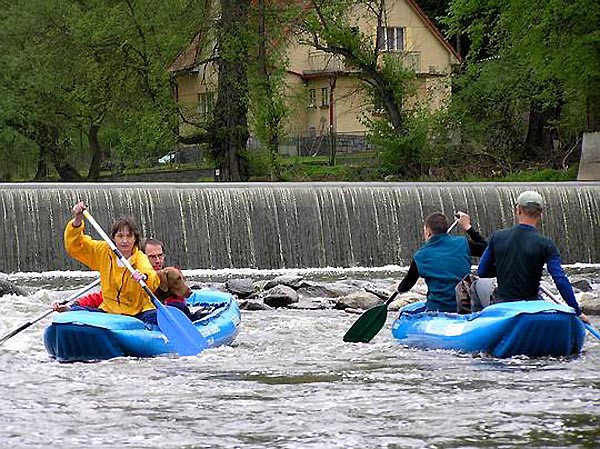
(259, 163)
(310, 172)
(399, 153)
(544, 175)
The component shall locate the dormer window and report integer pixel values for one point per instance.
(391, 39)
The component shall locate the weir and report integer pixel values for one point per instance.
(277, 225)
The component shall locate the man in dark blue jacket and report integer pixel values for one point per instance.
(443, 260)
(517, 255)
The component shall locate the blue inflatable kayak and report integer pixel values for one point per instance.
(85, 336)
(530, 328)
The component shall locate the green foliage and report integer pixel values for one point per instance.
(312, 172)
(488, 111)
(69, 65)
(143, 133)
(398, 80)
(545, 175)
(18, 156)
(259, 163)
(532, 76)
(266, 74)
(398, 153)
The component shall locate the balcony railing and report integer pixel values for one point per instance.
(410, 60)
(319, 61)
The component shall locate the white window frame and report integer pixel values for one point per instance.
(206, 103)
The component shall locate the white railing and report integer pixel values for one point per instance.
(319, 61)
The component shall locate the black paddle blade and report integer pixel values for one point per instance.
(368, 325)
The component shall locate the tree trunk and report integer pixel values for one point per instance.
(541, 132)
(593, 111)
(42, 165)
(274, 118)
(392, 105)
(51, 150)
(97, 153)
(229, 128)
(50, 138)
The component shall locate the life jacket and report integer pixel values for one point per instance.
(443, 261)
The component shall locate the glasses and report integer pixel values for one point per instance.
(156, 256)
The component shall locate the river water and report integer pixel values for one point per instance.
(289, 381)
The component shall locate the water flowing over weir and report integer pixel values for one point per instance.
(271, 225)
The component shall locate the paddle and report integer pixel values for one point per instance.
(71, 298)
(180, 331)
(370, 323)
(589, 327)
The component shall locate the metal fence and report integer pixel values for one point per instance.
(320, 145)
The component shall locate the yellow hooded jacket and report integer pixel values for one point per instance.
(120, 292)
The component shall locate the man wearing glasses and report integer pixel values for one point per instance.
(154, 249)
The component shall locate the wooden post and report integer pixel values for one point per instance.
(332, 137)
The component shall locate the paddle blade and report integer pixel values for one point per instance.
(180, 331)
(368, 325)
(15, 332)
(592, 330)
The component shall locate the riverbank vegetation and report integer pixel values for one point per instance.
(85, 84)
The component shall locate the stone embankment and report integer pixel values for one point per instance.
(353, 296)
(8, 288)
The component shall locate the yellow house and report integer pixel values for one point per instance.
(324, 95)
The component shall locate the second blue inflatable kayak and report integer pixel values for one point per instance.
(530, 328)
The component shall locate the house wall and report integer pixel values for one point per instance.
(419, 38)
(349, 104)
(187, 88)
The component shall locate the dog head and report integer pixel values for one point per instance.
(172, 282)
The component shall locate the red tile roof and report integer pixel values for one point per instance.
(188, 58)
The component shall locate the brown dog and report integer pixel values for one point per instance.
(172, 284)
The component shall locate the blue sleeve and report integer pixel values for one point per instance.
(487, 264)
(562, 282)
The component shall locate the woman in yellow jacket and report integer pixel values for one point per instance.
(120, 292)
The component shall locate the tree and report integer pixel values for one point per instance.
(270, 20)
(331, 26)
(79, 73)
(534, 58)
(228, 129)
(36, 101)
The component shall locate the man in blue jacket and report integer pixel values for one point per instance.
(517, 255)
(443, 260)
